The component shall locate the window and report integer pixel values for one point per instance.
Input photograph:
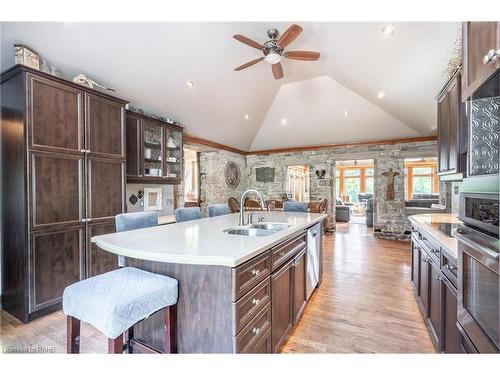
(421, 178)
(352, 180)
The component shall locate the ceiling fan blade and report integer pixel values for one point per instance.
(277, 71)
(247, 41)
(250, 63)
(302, 55)
(289, 35)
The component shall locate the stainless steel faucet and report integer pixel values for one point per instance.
(262, 204)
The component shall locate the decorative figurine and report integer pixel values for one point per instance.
(84, 81)
(389, 192)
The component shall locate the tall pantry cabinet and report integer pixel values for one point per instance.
(63, 181)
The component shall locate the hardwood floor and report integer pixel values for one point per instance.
(365, 305)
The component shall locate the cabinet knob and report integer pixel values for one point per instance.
(82, 151)
(255, 272)
(255, 301)
(87, 151)
(255, 331)
(491, 56)
(439, 278)
(451, 268)
(84, 220)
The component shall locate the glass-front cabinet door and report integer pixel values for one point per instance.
(154, 146)
(173, 157)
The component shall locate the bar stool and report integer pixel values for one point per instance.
(218, 210)
(187, 214)
(116, 301)
(293, 206)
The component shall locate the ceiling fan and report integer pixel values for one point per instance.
(273, 49)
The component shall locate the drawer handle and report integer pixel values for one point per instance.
(439, 278)
(255, 301)
(255, 331)
(451, 268)
(255, 272)
(434, 251)
(282, 253)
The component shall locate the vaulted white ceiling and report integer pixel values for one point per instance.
(149, 63)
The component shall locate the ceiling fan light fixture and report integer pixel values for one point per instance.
(387, 31)
(273, 58)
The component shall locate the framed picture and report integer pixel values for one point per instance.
(153, 199)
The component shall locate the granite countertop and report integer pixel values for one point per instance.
(203, 241)
(424, 223)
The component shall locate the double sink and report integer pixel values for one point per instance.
(257, 229)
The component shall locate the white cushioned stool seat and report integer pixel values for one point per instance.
(115, 301)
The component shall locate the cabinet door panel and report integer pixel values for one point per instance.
(478, 39)
(443, 129)
(55, 262)
(423, 291)
(435, 304)
(105, 127)
(415, 266)
(99, 261)
(453, 125)
(106, 189)
(135, 153)
(299, 286)
(451, 335)
(56, 194)
(282, 304)
(55, 116)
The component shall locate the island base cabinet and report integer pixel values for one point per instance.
(450, 334)
(299, 286)
(282, 304)
(264, 345)
(434, 318)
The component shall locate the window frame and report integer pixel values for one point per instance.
(362, 176)
(409, 166)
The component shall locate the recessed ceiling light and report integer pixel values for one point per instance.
(247, 116)
(387, 31)
(189, 84)
(380, 95)
(346, 113)
(284, 121)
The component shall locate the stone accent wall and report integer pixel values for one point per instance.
(317, 160)
(213, 187)
(390, 220)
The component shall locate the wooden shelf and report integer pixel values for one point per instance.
(152, 144)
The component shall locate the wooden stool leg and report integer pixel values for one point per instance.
(72, 335)
(115, 346)
(170, 314)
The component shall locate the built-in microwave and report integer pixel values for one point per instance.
(480, 210)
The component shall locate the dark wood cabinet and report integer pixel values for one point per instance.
(63, 170)
(423, 281)
(435, 292)
(479, 39)
(450, 337)
(434, 309)
(154, 150)
(105, 127)
(56, 260)
(105, 188)
(99, 261)
(282, 304)
(452, 129)
(56, 190)
(55, 115)
(299, 286)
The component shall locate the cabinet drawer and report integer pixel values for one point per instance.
(281, 253)
(430, 247)
(264, 345)
(253, 331)
(449, 267)
(249, 274)
(251, 304)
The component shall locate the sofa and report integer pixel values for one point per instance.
(342, 211)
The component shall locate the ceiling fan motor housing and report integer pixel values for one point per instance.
(272, 46)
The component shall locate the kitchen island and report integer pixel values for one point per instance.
(237, 293)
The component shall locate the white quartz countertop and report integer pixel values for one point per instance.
(424, 223)
(203, 241)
